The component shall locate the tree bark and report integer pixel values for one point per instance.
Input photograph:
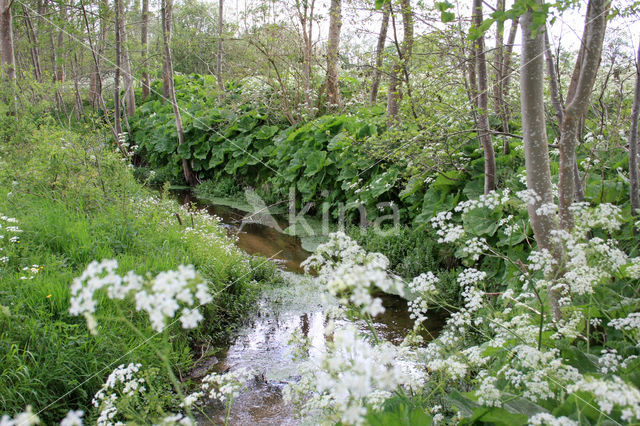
(33, 41)
(129, 94)
(633, 147)
(6, 40)
(305, 16)
(167, 73)
(498, 61)
(582, 82)
(60, 72)
(484, 133)
(116, 82)
(219, 52)
(405, 50)
(556, 101)
(333, 47)
(554, 88)
(377, 72)
(144, 41)
(534, 132)
(506, 79)
(167, 5)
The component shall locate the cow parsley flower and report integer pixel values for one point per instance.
(161, 297)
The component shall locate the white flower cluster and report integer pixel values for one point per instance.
(546, 419)
(346, 376)
(446, 231)
(423, 287)
(609, 361)
(491, 201)
(537, 374)
(610, 393)
(122, 382)
(73, 418)
(222, 387)
(474, 247)
(631, 322)
(26, 418)
(161, 297)
(352, 275)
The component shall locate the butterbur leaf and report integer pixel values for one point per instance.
(315, 161)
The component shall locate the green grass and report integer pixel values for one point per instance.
(76, 201)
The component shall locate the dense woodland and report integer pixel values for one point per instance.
(476, 159)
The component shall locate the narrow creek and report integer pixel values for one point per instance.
(262, 345)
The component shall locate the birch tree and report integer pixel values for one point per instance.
(333, 46)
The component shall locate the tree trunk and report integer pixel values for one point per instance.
(377, 72)
(7, 56)
(60, 74)
(6, 40)
(305, 16)
(144, 40)
(76, 85)
(33, 41)
(167, 5)
(484, 132)
(554, 88)
(556, 101)
(96, 63)
(404, 50)
(633, 147)
(579, 91)
(506, 78)
(129, 94)
(219, 52)
(498, 61)
(534, 132)
(167, 69)
(333, 47)
(116, 80)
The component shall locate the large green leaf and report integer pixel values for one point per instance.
(481, 221)
(315, 162)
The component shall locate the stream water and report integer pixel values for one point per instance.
(263, 344)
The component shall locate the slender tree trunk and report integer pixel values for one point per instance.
(404, 50)
(6, 40)
(484, 131)
(129, 94)
(506, 78)
(116, 82)
(219, 76)
(534, 132)
(60, 74)
(7, 55)
(96, 63)
(554, 88)
(377, 72)
(633, 147)
(579, 91)
(167, 5)
(167, 69)
(33, 41)
(144, 41)
(333, 47)
(498, 61)
(305, 10)
(76, 76)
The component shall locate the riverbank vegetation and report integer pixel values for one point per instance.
(67, 198)
(480, 175)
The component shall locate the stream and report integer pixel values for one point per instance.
(262, 345)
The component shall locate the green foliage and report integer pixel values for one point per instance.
(76, 201)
